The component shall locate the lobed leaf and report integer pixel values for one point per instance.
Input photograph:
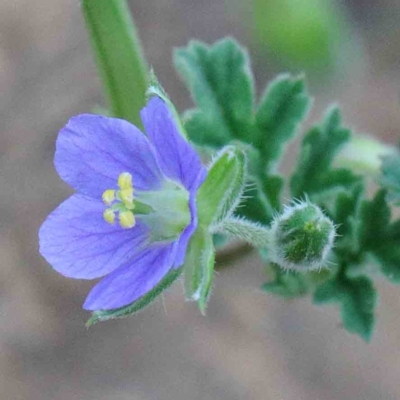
(313, 173)
(283, 106)
(287, 283)
(221, 84)
(390, 177)
(379, 236)
(374, 222)
(357, 298)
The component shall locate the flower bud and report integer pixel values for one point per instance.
(363, 155)
(301, 237)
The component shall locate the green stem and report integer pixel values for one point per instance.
(252, 233)
(119, 57)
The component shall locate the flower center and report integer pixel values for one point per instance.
(166, 210)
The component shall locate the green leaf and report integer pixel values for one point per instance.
(284, 105)
(220, 82)
(336, 179)
(221, 192)
(313, 173)
(261, 198)
(272, 186)
(374, 222)
(389, 259)
(357, 298)
(379, 237)
(390, 178)
(287, 283)
(148, 298)
(119, 57)
(346, 210)
(255, 206)
(199, 268)
(346, 217)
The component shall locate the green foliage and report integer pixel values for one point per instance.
(346, 217)
(226, 112)
(379, 237)
(144, 301)
(287, 283)
(390, 178)
(254, 136)
(374, 222)
(314, 173)
(220, 82)
(282, 108)
(357, 298)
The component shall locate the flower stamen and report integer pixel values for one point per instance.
(121, 202)
(108, 197)
(109, 215)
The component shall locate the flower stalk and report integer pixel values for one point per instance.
(120, 61)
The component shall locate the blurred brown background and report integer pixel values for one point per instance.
(250, 345)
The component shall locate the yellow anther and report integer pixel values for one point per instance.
(109, 215)
(125, 181)
(108, 196)
(126, 196)
(127, 219)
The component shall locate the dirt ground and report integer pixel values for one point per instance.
(250, 345)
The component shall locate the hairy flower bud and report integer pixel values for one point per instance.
(301, 237)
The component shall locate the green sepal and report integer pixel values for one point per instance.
(144, 301)
(283, 106)
(313, 173)
(221, 84)
(221, 192)
(390, 177)
(199, 268)
(119, 56)
(357, 298)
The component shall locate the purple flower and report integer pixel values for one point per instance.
(134, 211)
